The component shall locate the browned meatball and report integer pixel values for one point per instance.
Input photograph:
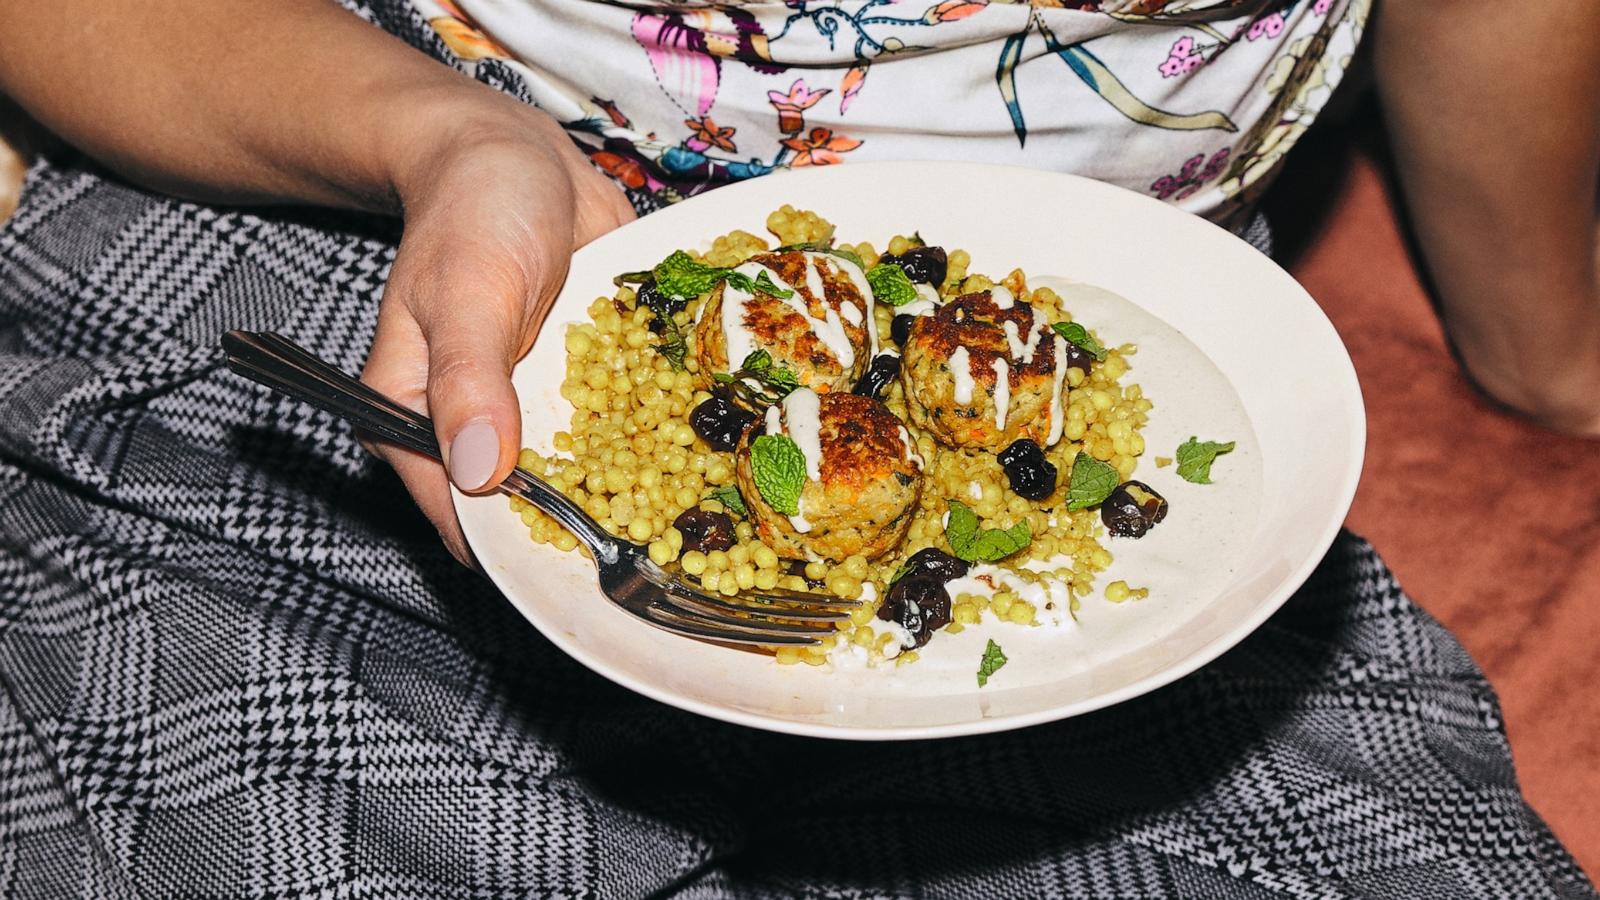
(827, 346)
(869, 484)
(979, 374)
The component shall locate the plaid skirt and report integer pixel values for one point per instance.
(235, 662)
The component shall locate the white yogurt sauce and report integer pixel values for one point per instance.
(961, 373)
(858, 278)
(801, 420)
(829, 329)
(929, 295)
(1051, 597)
(1002, 392)
(1057, 401)
(802, 415)
(798, 521)
(1022, 350)
(1002, 296)
(912, 456)
(846, 655)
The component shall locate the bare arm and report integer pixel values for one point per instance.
(1494, 113)
(299, 101)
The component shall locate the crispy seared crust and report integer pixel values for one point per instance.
(976, 322)
(860, 442)
(865, 497)
(783, 332)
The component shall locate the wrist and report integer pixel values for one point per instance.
(447, 127)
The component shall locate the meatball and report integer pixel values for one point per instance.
(863, 477)
(981, 371)
(824, 331)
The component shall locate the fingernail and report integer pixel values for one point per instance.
(474, 454)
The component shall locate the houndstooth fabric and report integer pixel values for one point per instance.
(234, 662)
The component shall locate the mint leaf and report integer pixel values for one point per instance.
(728, 496)
(739, 280)
(1195, 458)
(891, 285)
(764, 285)
(974, 544)
(903, 571)
(823, 247)
(681, 275)
(1092, 482)
(675, 347)
(779, 467)
(992, 660)
(757, 361)
(1080, 335)
(758, 367)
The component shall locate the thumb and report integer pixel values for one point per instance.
(471, 349)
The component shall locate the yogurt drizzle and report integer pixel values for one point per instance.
(801, 412)
(1002, 392)
(961, 372)
(829, 329)
(1056, 400)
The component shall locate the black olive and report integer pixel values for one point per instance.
(884, 370)
(648, 295)
(931, 562)
(1132, 509)
(1031, 475)
(920, 604)
(900, 329)
(1078, 358)
(923, 265)
(720, 423)
(704, 531)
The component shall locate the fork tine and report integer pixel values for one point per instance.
(716, 615)
(677, 589)
(674, 620)
(821, 601)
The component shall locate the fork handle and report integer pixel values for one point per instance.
(281, 364)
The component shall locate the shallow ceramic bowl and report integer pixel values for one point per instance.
(1277, 363)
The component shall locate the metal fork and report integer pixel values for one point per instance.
(628, 577)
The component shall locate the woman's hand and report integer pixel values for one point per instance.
(491, 220)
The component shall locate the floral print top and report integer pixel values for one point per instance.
(1195, 102)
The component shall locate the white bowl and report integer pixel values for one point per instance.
(1215, 575)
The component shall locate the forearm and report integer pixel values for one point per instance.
(1494, 113)
(233, 101)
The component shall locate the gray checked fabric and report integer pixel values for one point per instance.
(235, 663)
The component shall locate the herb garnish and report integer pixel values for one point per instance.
(891, 285)
(778, 381)
(779, 467)
(974, 544)
(1092, 481)
(764, 285)
(1080, 335)
(992, 660)
(825, 247)
(674, 344)
(1195, 458)
(729, 497)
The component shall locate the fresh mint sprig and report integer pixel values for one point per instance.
(891, 285)
(974, 544)
(1092, 481)
(777, 381)
(1196, 456)
(1080, 335)
(779, 467)
(993, 659)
